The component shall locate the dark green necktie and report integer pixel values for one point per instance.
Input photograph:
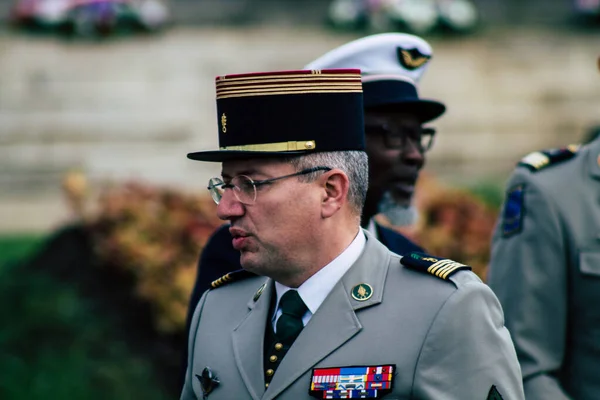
(290, 323)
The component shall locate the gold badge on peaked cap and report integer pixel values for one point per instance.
(362, 292)
(412, 59)
(259, 291)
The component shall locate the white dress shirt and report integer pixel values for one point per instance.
(316, 288)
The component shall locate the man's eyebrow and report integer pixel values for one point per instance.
(248, 172)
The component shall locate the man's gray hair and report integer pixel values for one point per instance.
(353, 163)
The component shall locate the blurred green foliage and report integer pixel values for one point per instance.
(490, 192)
(17, 247)
(53, 343)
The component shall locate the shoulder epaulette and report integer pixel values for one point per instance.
(231, 277)
(539, 160)
(441, 267)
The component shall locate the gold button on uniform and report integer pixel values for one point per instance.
(273, 358)
(266, 385)
(270, 372)
(278, 346)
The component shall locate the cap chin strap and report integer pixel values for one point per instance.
(275, 147)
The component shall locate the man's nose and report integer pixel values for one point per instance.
(413, 154)
(229, 206)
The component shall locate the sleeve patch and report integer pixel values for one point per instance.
(494, 394)
(514, 210)
(443, 268)
(539, 160)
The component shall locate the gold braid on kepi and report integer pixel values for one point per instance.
(231, 277)
(287, 113)
(443, 268)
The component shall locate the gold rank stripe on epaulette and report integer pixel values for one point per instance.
(441, 267)
(539, 160)
(444, 268)
(536, 159)
(231, 277)
(219, 282)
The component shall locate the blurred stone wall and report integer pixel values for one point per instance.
(132, 108)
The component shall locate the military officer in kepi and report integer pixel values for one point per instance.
(322, 309)
(397, 141)
(545, 269)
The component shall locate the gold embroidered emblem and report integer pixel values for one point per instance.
(224, 123)
(430, 259)
(412, 59)
(362, 292)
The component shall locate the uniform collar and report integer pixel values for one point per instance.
(314, 291)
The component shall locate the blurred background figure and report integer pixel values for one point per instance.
(102, 218)
(587, 10)
(416, 16)
(90, 18)
(545, 270)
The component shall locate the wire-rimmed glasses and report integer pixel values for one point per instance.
(244, 187)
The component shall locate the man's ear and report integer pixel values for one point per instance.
(335, 195)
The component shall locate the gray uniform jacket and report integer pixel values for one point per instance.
(545, 269)
(446, 337)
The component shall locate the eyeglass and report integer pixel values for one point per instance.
(244, 187)
(399, 137)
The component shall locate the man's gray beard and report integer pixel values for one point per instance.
(397, 214)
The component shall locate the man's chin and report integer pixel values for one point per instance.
(397, 212)
(250, 262)
(395, 198)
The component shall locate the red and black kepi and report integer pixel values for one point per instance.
(286, 113)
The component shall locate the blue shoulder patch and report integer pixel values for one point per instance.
(539, 160)
(231, 277)
(513, 211)
(441, 267)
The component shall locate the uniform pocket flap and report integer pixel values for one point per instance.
(589, 263)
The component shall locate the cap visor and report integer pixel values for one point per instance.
(228, 155)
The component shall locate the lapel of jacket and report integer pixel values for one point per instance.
(335, 322)
(248, 342)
